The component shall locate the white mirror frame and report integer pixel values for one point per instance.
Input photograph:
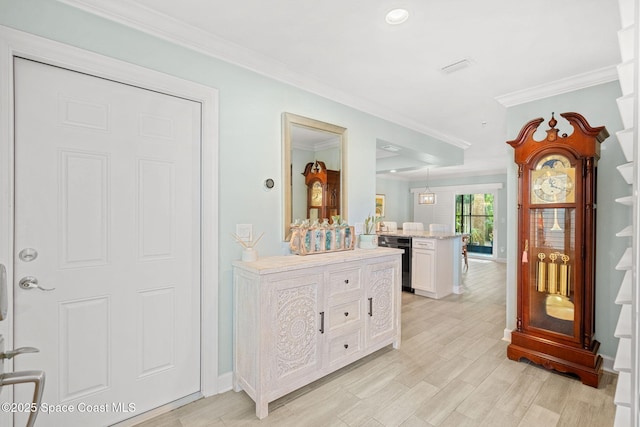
(288, 120)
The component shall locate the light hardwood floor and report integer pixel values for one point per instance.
(451, 370)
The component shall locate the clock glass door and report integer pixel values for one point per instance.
(552, 236)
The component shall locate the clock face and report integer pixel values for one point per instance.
(552, 181)
(316, 194)
(552, 187)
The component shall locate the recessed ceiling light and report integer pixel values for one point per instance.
(393, 171)
(397, 16)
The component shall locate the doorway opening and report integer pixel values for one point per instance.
(474, 216)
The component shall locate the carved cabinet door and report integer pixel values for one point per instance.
(297, 328)
(380, 280)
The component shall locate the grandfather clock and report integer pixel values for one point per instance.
(557, 249)
(323, 191)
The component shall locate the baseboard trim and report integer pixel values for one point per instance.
(225, 382)
(607, 364)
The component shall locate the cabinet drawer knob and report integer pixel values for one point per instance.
(346, 346)
(346, 281)
(346, 313)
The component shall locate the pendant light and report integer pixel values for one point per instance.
(427, 197)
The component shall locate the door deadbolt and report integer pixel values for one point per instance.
(28, 254)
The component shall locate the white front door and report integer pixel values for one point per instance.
(107, 199)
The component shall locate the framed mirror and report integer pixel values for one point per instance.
(305, 141)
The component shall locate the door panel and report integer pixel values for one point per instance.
(107, 191)
(84, 209)
(84, 348)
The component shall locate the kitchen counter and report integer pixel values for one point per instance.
(435, 267)
(435, 270)
(424, 234)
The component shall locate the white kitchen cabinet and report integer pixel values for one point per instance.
(423, 267)
(297, 319)
(435, 266)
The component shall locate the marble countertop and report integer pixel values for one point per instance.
(423, 234)
(275, 264)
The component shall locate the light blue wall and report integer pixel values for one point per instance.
(598, 105)
(249, 135)
(398, 200)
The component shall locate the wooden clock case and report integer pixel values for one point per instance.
(318, 178)
(555, 328)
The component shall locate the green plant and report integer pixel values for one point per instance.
(370, 224)
(477, 237)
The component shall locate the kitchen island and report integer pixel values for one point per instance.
(435, 260)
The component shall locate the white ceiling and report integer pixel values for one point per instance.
(517, 51)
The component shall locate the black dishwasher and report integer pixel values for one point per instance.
(400, 243)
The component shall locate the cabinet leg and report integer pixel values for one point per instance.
(262, 409)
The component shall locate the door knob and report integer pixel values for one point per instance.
(30, 282)
(24, 377)
(10, 354)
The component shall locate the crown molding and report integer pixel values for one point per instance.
(568, 84)
(170, 29)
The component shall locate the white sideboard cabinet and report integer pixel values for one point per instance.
(299, 318)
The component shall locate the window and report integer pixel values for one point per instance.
(474, 216)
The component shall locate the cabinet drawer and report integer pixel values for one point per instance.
(344, 281)
(424, 243)
(346, 313)
(343, 346)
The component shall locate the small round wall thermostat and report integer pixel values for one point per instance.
(268, 183)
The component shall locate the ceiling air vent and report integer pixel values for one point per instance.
(455, 66)
(391, 148)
